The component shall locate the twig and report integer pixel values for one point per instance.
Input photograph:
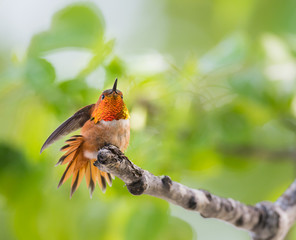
(260, 153)
(264, 221)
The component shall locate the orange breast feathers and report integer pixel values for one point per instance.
(110, 107)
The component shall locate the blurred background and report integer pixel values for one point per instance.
(210, 86)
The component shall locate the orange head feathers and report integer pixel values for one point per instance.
(110, 106)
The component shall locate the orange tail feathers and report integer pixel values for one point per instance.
(78, 166)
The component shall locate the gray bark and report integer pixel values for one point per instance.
(264, 221)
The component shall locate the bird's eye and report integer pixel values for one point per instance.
(122, 96)
(103, 96)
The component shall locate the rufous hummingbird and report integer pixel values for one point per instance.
(106, 122)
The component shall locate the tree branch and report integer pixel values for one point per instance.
(264, 221)
(261, 153)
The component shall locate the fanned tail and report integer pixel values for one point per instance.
(78, 166)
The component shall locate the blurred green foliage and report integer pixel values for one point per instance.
(219, 116)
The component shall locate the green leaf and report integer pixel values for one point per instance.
(75, 26)
(39, 73)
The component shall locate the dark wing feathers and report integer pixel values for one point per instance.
(71, 124)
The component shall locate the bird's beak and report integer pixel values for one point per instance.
(114, 86)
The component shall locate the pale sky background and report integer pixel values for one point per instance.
(129, 22)
(20, 20)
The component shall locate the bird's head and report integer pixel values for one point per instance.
(110, 106)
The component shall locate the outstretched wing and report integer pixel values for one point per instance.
(71, 124)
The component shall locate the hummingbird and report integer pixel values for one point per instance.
(105, 122)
